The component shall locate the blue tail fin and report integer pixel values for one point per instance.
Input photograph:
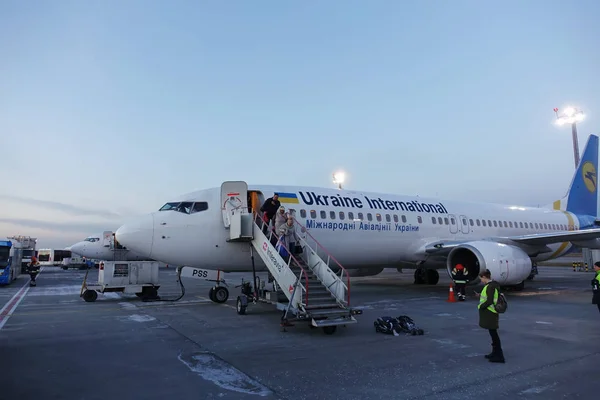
(582, 197)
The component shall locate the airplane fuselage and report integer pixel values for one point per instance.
(360, 229)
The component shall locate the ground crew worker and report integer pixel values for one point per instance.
(596, 285)
(488, 316)
(33, 268)
(459, 275)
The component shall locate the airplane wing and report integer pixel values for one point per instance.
(556, 237)
(539, 240)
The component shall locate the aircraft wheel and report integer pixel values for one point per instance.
(211, 294)
(433, 277)
(221, 294)
(419, 276)
(90, 296)
(240, 307)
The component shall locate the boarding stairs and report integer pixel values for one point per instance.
(312, 290)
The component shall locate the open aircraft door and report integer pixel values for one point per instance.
(234, 199)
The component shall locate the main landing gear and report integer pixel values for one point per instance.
(425, 276)
(218, 294)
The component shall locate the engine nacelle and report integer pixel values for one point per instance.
(364, 271)
(509, 265)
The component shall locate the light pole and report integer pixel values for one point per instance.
(339, 178)
(571, 115)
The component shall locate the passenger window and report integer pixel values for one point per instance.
(351, 215)
(395, 218)
(378, 216)
(323, 215)
(464, 221)
(199, 206)
(545, 226)
(505, 224)
(433, 219)
(471, 222)
(313, 214)
(452, 221)
(510, 224)
(332, 214)
(536, 226)
(360, 216)
(520, 224)
(489, 223)
(419, 219)
(446, 220)
(478, 222)
(404, 218)
(369, 217)
(303, 213)
(495, 224)
(342, 216)
(483, 222)
(388, 218)
(440, 221)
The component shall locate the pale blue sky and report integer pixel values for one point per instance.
(110, 108)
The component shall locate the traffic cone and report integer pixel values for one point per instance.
(451, 298)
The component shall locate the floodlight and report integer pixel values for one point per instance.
(339, 178)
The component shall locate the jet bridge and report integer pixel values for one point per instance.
(306, 287)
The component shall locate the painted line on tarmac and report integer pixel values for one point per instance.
(11, 306)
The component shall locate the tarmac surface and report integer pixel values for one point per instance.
(54, 345)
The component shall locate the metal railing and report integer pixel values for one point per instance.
(343, 273)
(272, 233)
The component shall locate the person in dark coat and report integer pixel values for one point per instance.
(269, 209)
(596, 285)
(488, 316)
(459, 275)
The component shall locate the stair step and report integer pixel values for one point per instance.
(314, 306)
(319, 299)
(329, 312)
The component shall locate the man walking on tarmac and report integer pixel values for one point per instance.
(459, 275)
(33, 268)
(596, 285)
(488, 316)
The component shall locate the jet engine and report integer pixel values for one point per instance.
(509, 265)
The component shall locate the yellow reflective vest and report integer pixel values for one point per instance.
(483, 299)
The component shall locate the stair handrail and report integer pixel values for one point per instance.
(273, 232)
(343, 270)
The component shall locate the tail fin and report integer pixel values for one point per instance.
(582, 197)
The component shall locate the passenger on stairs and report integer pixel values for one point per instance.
(288, 235)
(280, 218)
(269, 209)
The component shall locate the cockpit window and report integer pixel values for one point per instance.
(169, 206)
(200, 206)
(185, 207)
(91, 239)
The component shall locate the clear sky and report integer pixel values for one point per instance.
(110, 108)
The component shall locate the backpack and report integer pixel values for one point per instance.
(502, 304)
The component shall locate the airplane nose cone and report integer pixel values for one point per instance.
(137, 235)
(77, 248)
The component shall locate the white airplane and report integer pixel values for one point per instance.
(101, 247)
(367, 232)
